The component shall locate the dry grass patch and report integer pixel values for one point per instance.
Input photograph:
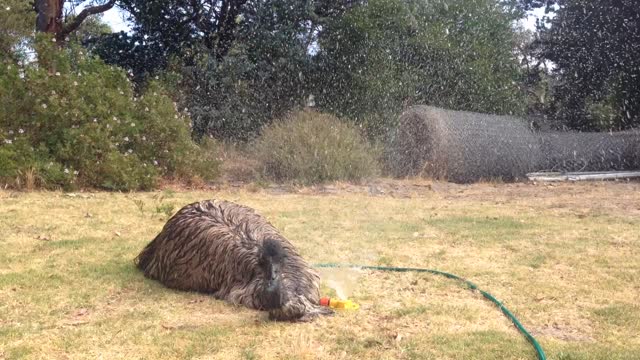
(564, 259)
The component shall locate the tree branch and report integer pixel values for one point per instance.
(77, 21)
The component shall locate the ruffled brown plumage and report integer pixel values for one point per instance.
(235, 254)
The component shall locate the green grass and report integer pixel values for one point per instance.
(623, 315)
(562, 259)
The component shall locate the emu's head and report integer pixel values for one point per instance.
(271, 261)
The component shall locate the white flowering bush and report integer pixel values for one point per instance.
(82, 125)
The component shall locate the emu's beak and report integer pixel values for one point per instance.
(273, 291)
(275, 271)
(274, 279)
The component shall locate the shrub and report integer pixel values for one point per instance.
(238, 162)
(77, 122)
(199, 162)
(309, 147)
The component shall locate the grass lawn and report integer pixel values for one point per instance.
(564, 259)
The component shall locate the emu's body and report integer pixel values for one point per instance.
(232, 252)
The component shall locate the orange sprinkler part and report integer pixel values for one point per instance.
(338, 304)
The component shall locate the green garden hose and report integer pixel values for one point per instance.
(472, 286)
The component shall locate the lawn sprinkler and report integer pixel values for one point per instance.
(338, 304)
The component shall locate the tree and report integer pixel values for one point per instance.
(262, 75)
(165, 29)
(50, 18)
(595, 49)
(387, 54)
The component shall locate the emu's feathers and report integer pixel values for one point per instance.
(216, 247)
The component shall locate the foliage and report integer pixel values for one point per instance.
(594, 46)
(387, 54)
(16, 23)
(91, 28)
(165, 29)
(309, 147)
(262, 76)
(233, 76)
(84, 126)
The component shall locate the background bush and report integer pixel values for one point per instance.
(76, 122)
(309, 147)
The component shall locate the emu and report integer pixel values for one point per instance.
(230, 251)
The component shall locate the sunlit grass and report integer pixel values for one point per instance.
(563, 259)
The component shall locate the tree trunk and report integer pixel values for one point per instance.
(49, 19)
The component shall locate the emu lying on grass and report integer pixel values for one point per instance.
(232, 252)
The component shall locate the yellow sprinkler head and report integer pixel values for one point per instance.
(339, 304)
